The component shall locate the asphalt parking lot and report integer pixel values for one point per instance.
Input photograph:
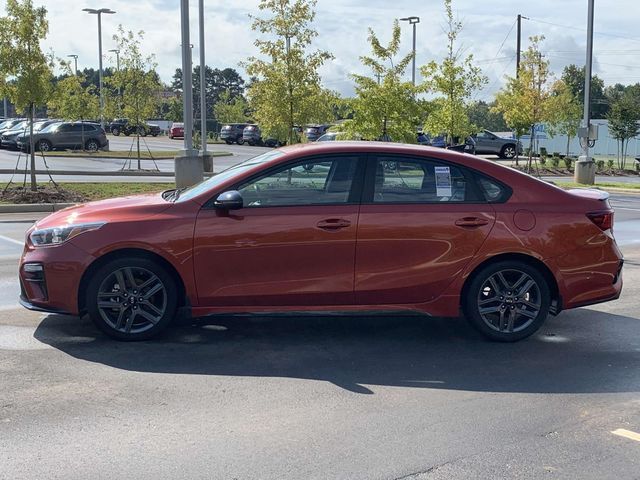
(322, 397)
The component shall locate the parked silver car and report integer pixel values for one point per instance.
(66, 135)
(487, 142)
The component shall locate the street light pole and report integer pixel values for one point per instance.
(99, 13)
(585, 166)
(203, 98)
(413, 21)
(75, 60)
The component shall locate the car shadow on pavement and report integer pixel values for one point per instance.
(581, 351)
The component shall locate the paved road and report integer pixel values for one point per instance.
(322, 398)
(9, 160)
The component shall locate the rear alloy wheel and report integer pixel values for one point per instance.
(507, 301)
(44, 146)
(92, 145)
(508, 152)
(115, 131)
(131, 299)
(240, 141)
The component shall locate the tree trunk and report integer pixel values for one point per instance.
(568, 143)
(32, 149)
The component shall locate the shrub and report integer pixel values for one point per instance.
(600, 165)
(637, 166)
(555, 161)
(543, 152)
(610, 164)
(567, 162)
(543, 159)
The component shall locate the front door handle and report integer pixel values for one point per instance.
(333, 224)
(471, 222)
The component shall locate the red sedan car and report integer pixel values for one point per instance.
(176, 130)
(331, 227)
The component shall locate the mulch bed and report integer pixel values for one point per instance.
(44, 194)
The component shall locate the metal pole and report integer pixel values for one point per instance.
(100, 68)
(519, 45)
(187, 86)
(203, 90)
(413, 72)
(587, 78)
(585, 172)
(6, 106)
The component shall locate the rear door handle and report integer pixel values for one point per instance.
(333, 224)
(471, 222)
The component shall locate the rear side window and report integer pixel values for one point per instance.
(493, 191)
(420, 181)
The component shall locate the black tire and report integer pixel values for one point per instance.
(240, 141)
(154, 134)
(504, 313)
(115, 131)
(134, 327)
(92, 145)
(508, 151)
(228, 142)
(44, 146)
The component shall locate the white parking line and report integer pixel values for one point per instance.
(12, 240)
(621, 432)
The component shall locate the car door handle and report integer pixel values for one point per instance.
(471, 222)
(332, 224)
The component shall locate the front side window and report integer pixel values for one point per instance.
(419, 181)
(312, 182)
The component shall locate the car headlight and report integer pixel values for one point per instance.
(58, 235)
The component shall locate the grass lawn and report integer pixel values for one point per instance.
(155, 154)
(601, 185)
(98, 191)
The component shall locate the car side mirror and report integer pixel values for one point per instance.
(231, 200)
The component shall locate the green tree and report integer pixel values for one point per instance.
(566, 112)
(525, 100)
(173, 109)
(137, 81)
(623, 124)
(286, 91)
(573, 77)
(71, 101)
(22, 61)
(481, 115)
(231, 110)
(385, 107)
(453, 80)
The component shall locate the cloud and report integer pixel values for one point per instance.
(342, 27)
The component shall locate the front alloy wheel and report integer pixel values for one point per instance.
(508, 301)
(509, 152)
(131, 299)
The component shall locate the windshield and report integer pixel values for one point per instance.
(225, 175)
(50, 128)
(19, 126)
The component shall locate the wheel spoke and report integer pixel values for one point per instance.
(522, 278)
(527, 286)
(486, 310)
(109, 305)
(121, 282)
(109, 294)
(488, 300)
(152, 307)
(527, 313)
(157, 287)
(143, 313)
(127, 327)
(129, 274)
(502, 320)
(494, 285)
(148, 282)
(120, 318)
(512, 317)
(535, 306)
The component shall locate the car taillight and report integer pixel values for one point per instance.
(603, 220)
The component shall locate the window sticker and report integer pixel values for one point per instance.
(443, 182)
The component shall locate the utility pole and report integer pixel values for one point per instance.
(6, 106)
(206, 160)
(585, 171)
(188, 165)
(519, 44)
(75, 61)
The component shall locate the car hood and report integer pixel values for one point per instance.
(121, 209)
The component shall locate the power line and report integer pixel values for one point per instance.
(570, 27)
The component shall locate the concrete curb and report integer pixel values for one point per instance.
(100, 173)
(33, 207)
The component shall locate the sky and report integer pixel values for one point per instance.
(489, 33)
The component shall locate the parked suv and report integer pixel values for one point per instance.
(232, 133)
(252, 135)
(313, 132)
(66, 135)
(122, 125)
(9, 139)
(487, 142)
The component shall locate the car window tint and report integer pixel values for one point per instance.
(88, 128)
(64, 128)
(493, 192)
(313, 182)
(419, 181)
